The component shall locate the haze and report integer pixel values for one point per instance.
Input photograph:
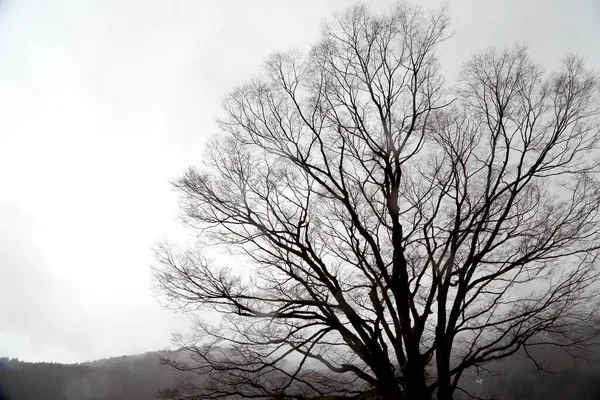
(102, 103)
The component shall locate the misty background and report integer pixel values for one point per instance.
(102, 103)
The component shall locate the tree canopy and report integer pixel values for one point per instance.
(391, 231)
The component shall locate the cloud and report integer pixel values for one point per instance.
(102, 103)
(35, 304)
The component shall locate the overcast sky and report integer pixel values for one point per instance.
(103, 102)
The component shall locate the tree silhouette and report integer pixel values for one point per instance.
(390, 233)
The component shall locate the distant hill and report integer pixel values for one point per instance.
(122, 378)
(138, 377)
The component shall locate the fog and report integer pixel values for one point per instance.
(102, 103)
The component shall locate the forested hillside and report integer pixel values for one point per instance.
(138, 377)
(128, 377)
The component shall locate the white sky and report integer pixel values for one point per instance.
(103, 102)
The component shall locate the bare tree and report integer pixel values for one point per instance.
(390, 233)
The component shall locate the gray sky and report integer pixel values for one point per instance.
(103, 102)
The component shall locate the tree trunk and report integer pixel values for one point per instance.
(414, 385)
(444, 391)
(416, 388)
(388, 389)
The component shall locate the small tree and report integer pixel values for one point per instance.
(390, 233)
